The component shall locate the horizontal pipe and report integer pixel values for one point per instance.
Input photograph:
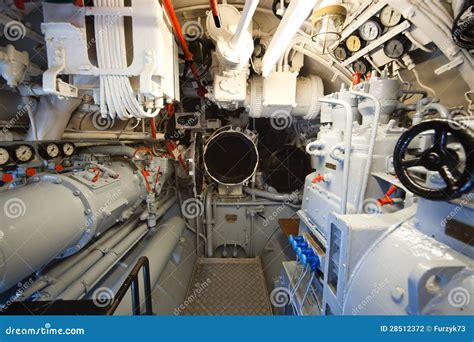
(83, 284)
(159, 246)
(292, 198)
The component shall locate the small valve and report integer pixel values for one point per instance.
(318, 178)
(387, 199)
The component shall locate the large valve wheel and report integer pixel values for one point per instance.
(441, 157)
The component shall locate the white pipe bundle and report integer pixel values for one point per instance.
(117, 97)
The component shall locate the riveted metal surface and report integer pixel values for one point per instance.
(227, 287)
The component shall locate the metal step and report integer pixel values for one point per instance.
(227, 287)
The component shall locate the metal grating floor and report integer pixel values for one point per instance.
(227, 287)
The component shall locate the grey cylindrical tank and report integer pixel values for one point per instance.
(56, 216)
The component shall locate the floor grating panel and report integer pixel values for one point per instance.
(227, 287)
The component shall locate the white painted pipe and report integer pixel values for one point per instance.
(347, 148)
(370, 152)
(295, 15)
(245, 20)
(52, 117)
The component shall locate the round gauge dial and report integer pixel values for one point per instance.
(394, 48)
(24, 153)
(389, 17)
(370, 30)
(4, 156)
(340, 53)
(53, 150)
(69, 149)
(360, 66)
(353, 43)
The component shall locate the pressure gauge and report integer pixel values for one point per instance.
(4, 156)
(370, 30)
(24, 153)
(353, 43)
(389, 17)
(52, 150)
(69, 149)
(394, 48)
(341, 53)
(360, 66)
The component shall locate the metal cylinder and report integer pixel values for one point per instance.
(57, 215)
(230, 157)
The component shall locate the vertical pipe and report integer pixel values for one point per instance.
(245, 20)
(294, 17)
(215, 13)
(347, 148)
(370, 152)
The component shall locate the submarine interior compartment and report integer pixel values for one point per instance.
(272, 157)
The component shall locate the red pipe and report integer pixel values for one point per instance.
(188, 56)
(153, 128)
(215, 13)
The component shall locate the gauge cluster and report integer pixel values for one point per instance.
(368, 32)
(24, 153)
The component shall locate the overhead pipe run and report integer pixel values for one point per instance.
(295, 15)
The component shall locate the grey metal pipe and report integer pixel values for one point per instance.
(86, 281)
(107, 242)
(111, 150)
(292, 198)
(209, 221)
(160, 244)
(64, 280)
(370, 152)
